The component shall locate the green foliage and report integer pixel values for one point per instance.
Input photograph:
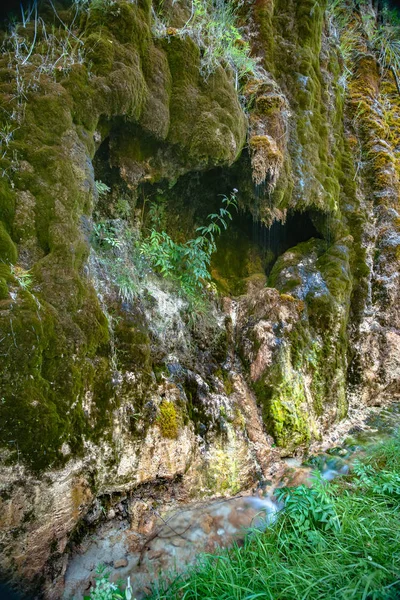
(123, 208)
(124, 258)
(23, 277)
(157, 213)
(102, 188)
(188, 263)
(104, 589)
(105, 235)
(213, 26)
(334, 541)
(309, 508)
(386, 40)
(117, 251)
(379, 482)
(384, 37)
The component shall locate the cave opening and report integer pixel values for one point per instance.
(247, 250)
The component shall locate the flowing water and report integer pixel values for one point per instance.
(170, 539)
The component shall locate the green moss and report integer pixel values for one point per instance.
(316, 345)
(282, 396)
(156, 113)
(167, 420)
(4, 291)
(7, 203)
(86, 103)
(129, 24)
(225, 377)
(206, 117)
(63, 390)
(8, 250)
(100, 49)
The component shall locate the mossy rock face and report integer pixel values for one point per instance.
(285, 407)
(300, 111)
(296, 345)
(206, 118)
(56, 331)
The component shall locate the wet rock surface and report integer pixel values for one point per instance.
(167, 538)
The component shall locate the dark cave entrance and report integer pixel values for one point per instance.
(248, 249)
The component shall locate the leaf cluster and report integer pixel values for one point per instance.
(104, 589)
(188, 263)
(308, 509)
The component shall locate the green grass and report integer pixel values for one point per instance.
(307, 556)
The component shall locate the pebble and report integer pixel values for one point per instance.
(119, 564)
(154, 554)
(178, 542)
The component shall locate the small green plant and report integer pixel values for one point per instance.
(309, 508)
(379, 482)
(104, 589)
(188, 263)
(123, 208)
(157, 213)
(23, 276)
(119, 257)
(102, 188)
(105, 235)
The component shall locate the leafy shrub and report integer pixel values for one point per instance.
(157, 213)
(105, 235)
(125, 259)
(379, 482)
(309, 508)
(188, 263)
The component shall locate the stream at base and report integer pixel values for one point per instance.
(172, 539)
